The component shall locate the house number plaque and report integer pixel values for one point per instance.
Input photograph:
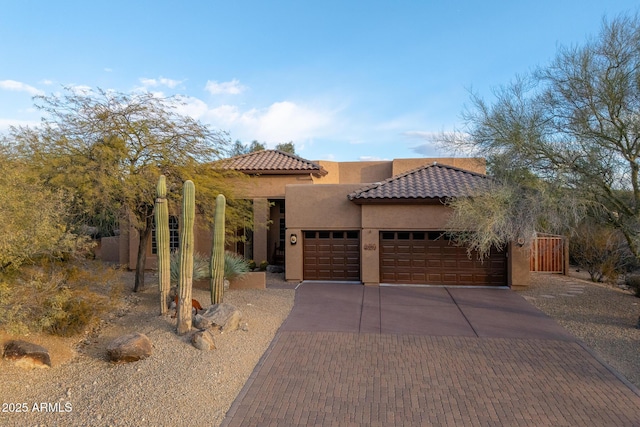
(370, 247)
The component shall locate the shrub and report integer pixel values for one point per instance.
(56, 297)
(252, 265)
(263, 265)
(39, 219)
(600, 250)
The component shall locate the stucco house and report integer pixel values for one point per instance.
(370, 222)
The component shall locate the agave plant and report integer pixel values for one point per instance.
(234, 266)
(200, 266)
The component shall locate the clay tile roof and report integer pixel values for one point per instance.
(272, 162)
(424, 183)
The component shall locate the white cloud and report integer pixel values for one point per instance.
(453, 143)
(370, 159)
(81, 89)
(280, 122)
(192, 107)
(16, 86)
(285, 121)
(226, 115)
(160, 81)
(227, 88)
(421, 134)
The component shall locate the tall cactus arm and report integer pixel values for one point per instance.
(217, 252)
(185, 281)
(162, 242)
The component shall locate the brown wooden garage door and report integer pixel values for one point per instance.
(430, 258)
(331, 255)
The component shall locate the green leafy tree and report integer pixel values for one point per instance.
(573, 126)
(286, 147)
(238, 148)
(35, 218)
(256, 146)
(106, 150)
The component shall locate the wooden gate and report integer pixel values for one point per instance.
(548, 254)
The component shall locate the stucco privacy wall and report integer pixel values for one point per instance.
(354, 172)
(317, 207)
(369, 172)
(472, 164)
(519, 258)
(266, 186)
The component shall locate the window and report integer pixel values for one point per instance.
(174, 236)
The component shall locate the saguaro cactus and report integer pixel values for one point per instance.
(217, 252)
(162, 242)
(186, 258)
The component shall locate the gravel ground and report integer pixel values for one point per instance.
(602, 316)
(178, 385)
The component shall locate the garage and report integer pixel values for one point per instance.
(429, 257)
(331, 255)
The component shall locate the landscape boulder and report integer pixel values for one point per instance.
(203, 340)
(225, 317)
(129, 348)
(26, 355)
(275, 269)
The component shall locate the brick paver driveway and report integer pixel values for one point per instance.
(351, 355)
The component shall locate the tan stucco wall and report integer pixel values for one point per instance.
(519, 259)
(109, 249)
(333, 173)
(375, 171)
(405, 217)
(472, 164)
(364, 172)
(267, 186)
(322, 207)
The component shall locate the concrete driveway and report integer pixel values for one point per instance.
(350, 355)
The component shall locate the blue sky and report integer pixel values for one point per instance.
(344, 80)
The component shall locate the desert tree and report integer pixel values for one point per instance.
(563, 141)
(35, 218)
(287, 147)
(106, 150)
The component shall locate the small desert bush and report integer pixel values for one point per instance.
(601, 251)
(59, 298)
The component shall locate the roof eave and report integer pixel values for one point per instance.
(400, 201)
(321, 172)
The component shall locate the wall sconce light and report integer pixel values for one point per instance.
(293, 239)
